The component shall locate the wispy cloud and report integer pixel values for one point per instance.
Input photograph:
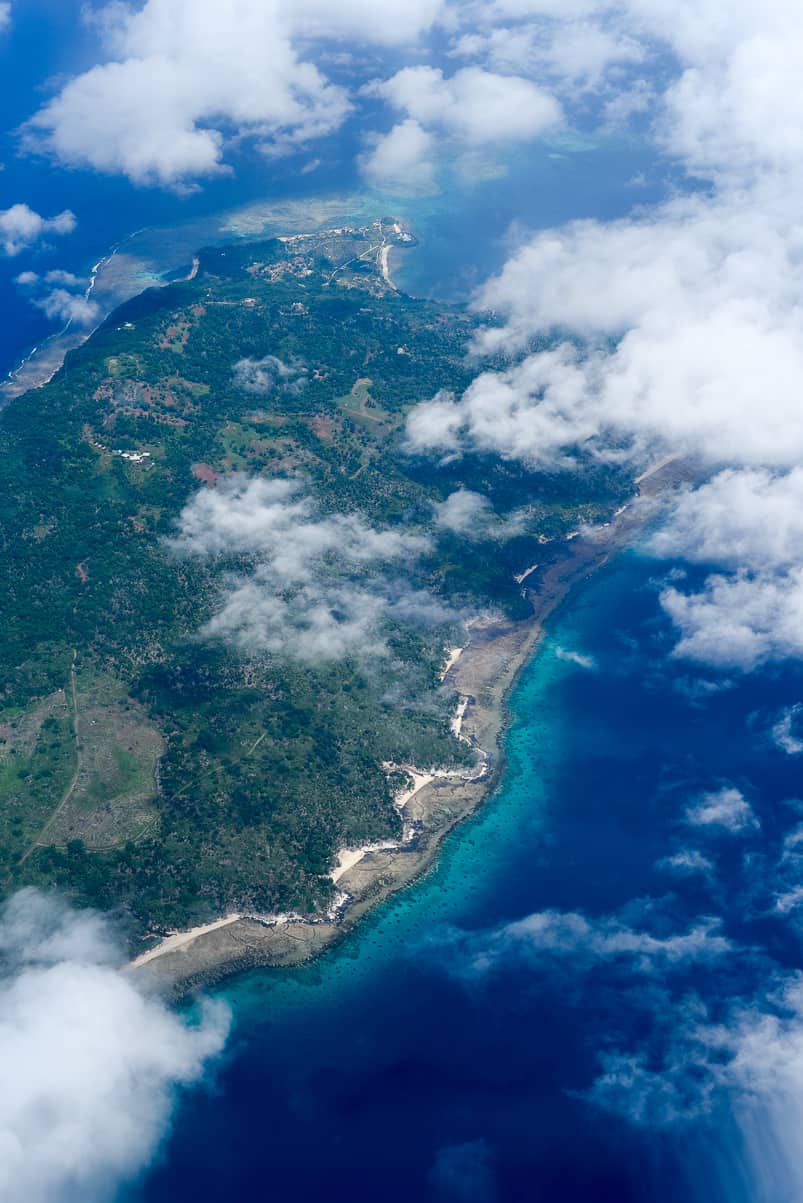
(725, 809)
(319, 586)
(784, 731)
(581, 941)
(269, 374)
(687, 862)
(472, 516)
(61, 296)
(578, 658)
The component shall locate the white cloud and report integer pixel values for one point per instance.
(530, 412)
(793, 844)
(788, 901)
(726, 808)
(699, 298)
(67, 279)
(462, 512)
(402, 160)
(63, 306)
(185, 72)
(655, 1097)
(582, 941)
(88, 1064)
(572, 657)
(728, 113)
(679, 329)
(471, 515)
(473, 105)
(363, 20)
(5, 15)
(185, 76)
(750, 519)
(576, 54)
(267, 375)
(21, 227)
(687, 862)
(751, 523)
(274, 519)
(739, 621)
(460, 114)
(766, 1078)
(301, 597)
(752, 1058)
(62, 296)
(700, 293)
(784, 730)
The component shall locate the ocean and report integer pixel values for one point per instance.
(437, 1054)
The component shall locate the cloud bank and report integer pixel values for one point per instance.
(677, 330)
(89, 1066)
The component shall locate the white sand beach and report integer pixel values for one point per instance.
(522, 576)
(457, 722)
(454, 655)
(180, 939)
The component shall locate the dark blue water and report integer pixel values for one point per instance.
(430, 1057)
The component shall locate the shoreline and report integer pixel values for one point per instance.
(38, 366)
(483, 675)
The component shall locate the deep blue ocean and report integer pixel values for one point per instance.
(424, 1059)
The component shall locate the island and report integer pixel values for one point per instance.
(253, 659)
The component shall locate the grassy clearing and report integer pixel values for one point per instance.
(115, 789)
(37, 760)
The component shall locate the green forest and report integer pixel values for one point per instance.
(174, 777)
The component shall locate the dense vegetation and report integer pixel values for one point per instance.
(267, 764)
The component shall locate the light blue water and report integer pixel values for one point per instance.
(393, 1070)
